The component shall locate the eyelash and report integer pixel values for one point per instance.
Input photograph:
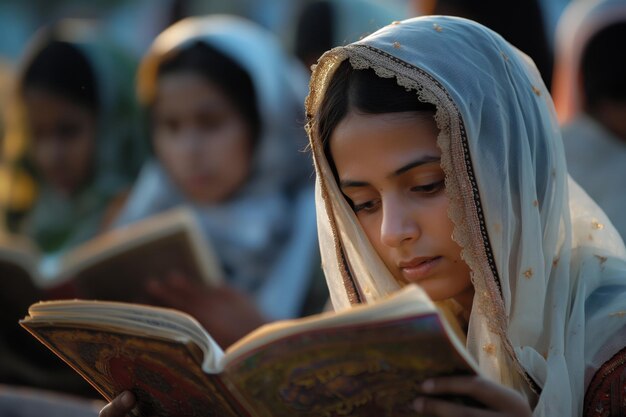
(428, 189)
(367, 206)
(431, 188)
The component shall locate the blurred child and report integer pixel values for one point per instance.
(73, 148)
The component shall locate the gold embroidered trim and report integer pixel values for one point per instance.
(348, 280)
(597, 225)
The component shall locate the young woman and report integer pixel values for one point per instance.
(439, 162)
(225, 104)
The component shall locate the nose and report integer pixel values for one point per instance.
(53, 148)
(189, 142)
(399, 223)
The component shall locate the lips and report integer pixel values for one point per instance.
(419, 268)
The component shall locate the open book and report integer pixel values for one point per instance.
(365, 361)
(115, 265)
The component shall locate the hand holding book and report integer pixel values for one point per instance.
(484, 398)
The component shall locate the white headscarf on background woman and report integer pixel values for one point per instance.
(264, 235)
(548, 269)
(580, 21)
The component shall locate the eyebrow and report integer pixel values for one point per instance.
(418, 162)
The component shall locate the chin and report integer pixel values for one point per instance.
(205, 198)
(437, 289)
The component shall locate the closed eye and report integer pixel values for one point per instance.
(368, 206)
(431, 188)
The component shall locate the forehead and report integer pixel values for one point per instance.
(45, 106)
(368, 143)
(386, 130)
(186, 86)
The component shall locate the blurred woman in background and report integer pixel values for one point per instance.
(226, 113)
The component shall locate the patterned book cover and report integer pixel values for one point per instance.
(166, 376)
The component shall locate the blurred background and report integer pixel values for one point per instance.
(136, 22)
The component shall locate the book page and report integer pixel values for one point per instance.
(410, 300)
(146, 320)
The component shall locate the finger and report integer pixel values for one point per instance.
(493, 395)
(441, 408)
(120, 406)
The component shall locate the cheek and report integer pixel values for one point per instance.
(441, 228)
(439, 220)
(43, 157)
(371, 225)
(232, 151)
(167, 151)
(84, 149)
(39, 149)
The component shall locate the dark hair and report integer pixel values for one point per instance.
(224, 72)
(366, 93)
(603, 66)
(62, 69)
(314, 31)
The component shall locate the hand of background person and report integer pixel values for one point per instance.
(226, 313)
(499, 401)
